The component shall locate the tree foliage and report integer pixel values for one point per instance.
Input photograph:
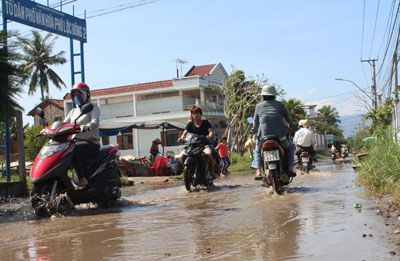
(296, 111)
(33, 142)
(38, 58)
(329, 115)
(381, 118)
(11, 75)
(241, 97)
(328, 124)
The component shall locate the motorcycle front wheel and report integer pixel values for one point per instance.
(188, 177)
(44, 206)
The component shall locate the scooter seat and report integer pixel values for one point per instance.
(93, 160)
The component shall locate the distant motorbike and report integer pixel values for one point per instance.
(196, 167)
(275, 167)
(305, 161)
(344, 154)
(53, 191)
(333, 156)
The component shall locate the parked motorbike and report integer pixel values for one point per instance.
(53, 190)
(305, 161)
(196, 167)
(274, 160)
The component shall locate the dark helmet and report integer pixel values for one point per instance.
(84, 89)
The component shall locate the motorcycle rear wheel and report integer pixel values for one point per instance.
(276, 184)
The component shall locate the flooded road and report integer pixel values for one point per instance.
(237, 220)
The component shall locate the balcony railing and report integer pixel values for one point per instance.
(209, 107)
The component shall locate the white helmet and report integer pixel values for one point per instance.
(269, 90)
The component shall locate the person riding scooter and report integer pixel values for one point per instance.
(305, 140)
(345, 151)
(88, 141)
(200, 127)
(268, 120)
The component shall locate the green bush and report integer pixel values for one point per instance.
(323, 154)
(380, 169)
(240, 163)
(33, 144)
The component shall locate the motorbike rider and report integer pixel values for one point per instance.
(87, 142)
(333, 150)
(268, 120)
(345, 150)
(200, 127)
(304, 139)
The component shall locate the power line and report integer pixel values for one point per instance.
(144, 2)
(337, 95)
(390, 38)
(373, 35)
(362, 33)
(390, 19)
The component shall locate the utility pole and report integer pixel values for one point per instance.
(373, 87)
(396, 87)
(396, 95)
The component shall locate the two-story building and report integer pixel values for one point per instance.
(168, 100)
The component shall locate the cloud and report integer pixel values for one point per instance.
(347, 106)
(312, 91)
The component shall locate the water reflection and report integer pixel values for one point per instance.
(68, 239)
(236, 220)
(264, 227)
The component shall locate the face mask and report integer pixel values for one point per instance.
(78, 100)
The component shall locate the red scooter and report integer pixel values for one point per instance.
(53, 190)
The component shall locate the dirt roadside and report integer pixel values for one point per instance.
(390, 212)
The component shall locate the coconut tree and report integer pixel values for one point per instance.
(38, 58)
(11, 75)
(329, 115)
(295, 109)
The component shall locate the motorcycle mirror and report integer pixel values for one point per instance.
(42, 120)
(250, 120)
(86, 108)
(40, 113)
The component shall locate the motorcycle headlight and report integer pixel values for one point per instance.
(50, 149)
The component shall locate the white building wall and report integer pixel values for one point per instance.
(157, 106)
(218, 75)
(187, 83)
(141, 148)
(124, 109)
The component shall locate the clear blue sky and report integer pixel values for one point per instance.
(301, 45)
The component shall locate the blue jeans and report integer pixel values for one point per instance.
(257, 162)
(225, 162)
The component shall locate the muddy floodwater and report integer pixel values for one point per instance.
(237, 220)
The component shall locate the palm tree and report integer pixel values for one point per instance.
(11, 75)
(295, 109)
(329, 115)
(38, 57)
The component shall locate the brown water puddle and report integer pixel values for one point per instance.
(236, 220)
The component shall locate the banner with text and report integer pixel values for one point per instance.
(45, 18)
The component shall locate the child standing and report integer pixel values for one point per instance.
(224, 155)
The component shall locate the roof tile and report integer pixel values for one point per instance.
(200, 70)
(128, 88)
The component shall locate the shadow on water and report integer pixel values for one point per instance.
(309, 190)
(216, 188)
